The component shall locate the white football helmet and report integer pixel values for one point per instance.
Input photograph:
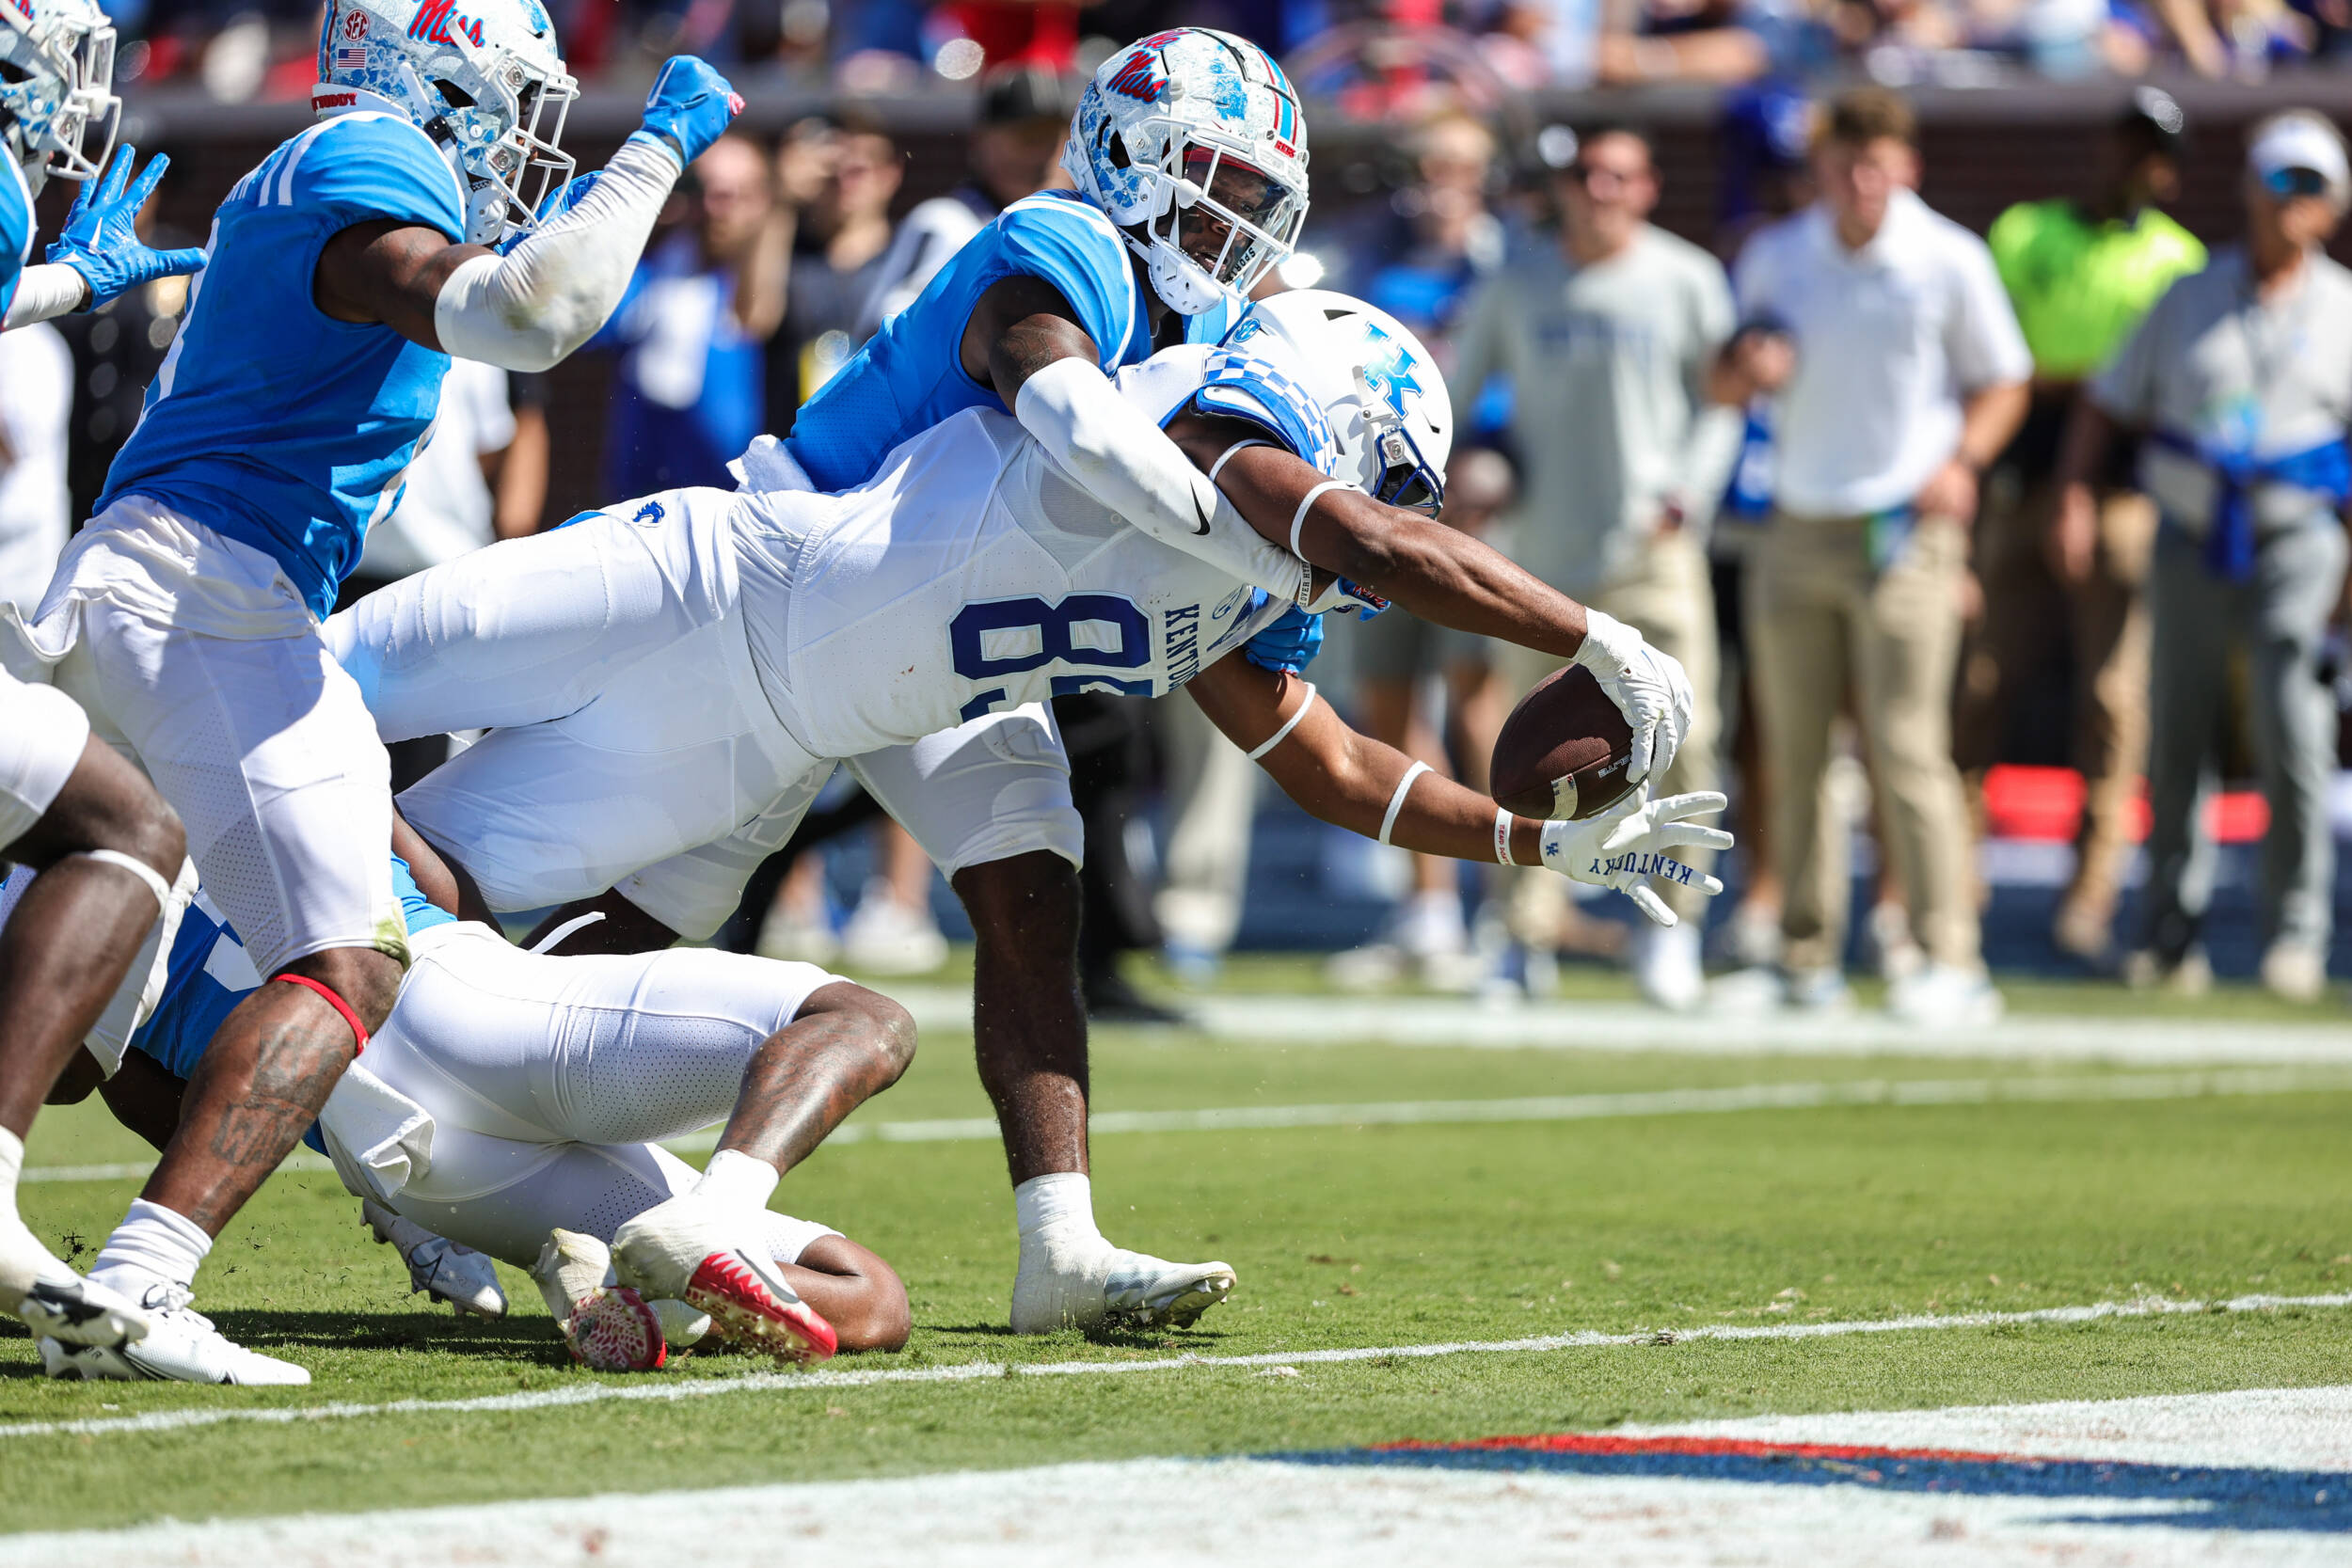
(486, 84)
(1194, 135)
(1382, 392)
(57, 109)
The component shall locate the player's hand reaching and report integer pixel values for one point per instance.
(1626, 846)
(101, 240)
(1648, 687)
(691, 106)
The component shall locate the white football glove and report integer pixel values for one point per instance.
(1626, 846)
(1648, 687)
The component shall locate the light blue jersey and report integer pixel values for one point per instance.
(910, 375)
(16, 230)
(270, 422)
(211, 974)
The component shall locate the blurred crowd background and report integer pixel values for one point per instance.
(1575, 203)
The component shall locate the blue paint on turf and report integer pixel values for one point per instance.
(2205, 1497)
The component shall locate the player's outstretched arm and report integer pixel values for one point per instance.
(1441, 575)
(1026, 341)
(100, 256)
(548, 292)
(1354, 781)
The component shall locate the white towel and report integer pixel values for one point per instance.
(380, 1139)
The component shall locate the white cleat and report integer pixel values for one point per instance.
(181, 1346)
(608, 1328)
(689, 1249)
(1089, 1284)
(54, 1300)
(442, 1269)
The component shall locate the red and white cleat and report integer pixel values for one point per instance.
(608, 1328)
(685, 1250)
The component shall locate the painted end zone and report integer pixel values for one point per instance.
(2201, 1497)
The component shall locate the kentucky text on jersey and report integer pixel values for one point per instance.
(270, 422)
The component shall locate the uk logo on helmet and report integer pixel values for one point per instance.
(1391, 369)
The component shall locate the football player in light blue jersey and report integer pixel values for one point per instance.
(670, 680)
(520, 1127)
(339, 275)
(58, 115)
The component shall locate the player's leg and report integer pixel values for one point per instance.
(106, 851)
(990, 802)
(530, 629)
(264, 745)
(624, 1050)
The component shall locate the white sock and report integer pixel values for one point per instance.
(737, 1180)
(24, 1260)
(1062, 1201)
(11, 1162)
(152, 1243)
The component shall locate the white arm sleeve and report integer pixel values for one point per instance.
(1123, 460)
(527, 310)
(46, 290)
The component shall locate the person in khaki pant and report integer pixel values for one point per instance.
(1610, 341)
(1900, 374)
(2081, 274)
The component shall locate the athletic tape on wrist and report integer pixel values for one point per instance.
(1298, 519)
(358, 1030)
(1218, 467)
(1288, 725)
(1503, 836)
(137, 867)
(1397, 801)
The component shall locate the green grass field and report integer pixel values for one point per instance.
(1346, 1236)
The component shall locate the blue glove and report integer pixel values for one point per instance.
(690, 105)
(101, 240)
(554, 205)
(1289, 645)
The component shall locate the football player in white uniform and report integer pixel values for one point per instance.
(670, 680)
(512, 1106)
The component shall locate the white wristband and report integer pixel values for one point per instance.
(1397, 801)
(1503, 836)
(1218, 467)
(1288, 725)
(1298, 519)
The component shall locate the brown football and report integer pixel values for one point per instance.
(1564, 751)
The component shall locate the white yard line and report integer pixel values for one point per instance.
(1293, 1020)
(1555, 1107)
(763, 1382)
(1306, 1515)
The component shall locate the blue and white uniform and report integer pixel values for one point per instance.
(679, 673)
(530, 1090)
(16, 230)
(185, 617)
(909, 374)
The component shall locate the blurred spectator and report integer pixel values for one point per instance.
(840, 246)
(1767, 142)
(1609, 339)
(2241, 378)
(36, 403)
(1112, 766)
(1397, 658)
(1212, 793)
(1015, 152)
(2081, 274)
(483, 477)
(687, 396)
(1901, 373)
(1417, 255)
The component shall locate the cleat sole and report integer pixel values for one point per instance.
(614, 1331)
(744, 1313)
(1182, 1311)
(63, 1313)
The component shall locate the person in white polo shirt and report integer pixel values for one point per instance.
(2241, 379)
(1900, 372)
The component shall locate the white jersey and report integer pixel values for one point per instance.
(972, 576)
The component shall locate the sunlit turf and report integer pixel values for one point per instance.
(1342, 1237)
